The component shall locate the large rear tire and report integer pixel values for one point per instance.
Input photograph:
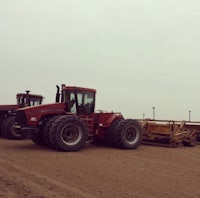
(68, 133)
(111, 132)
(128, 134)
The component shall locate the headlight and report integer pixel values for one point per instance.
(33, 119)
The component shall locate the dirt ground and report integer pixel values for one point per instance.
(29, 170)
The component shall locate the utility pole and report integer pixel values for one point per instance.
(153, 112)
(189, 115)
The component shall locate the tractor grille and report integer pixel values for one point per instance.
(20, 118)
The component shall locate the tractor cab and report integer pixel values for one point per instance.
(27, 99)
(78, 100)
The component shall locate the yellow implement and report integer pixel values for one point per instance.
(168, 132)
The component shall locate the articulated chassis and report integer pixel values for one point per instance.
(169, 132)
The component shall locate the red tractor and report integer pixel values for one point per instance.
(7, 113)
(67, 124)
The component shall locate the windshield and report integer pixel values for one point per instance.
(35, 101)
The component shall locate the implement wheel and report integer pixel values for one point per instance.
(68, 133)
(191, 141)
(128, 134)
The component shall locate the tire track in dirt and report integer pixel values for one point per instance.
(190, 153)
(6, 192)
(18, 182)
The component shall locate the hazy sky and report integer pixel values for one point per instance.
(136, 54)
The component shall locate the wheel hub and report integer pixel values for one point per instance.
(71, 135)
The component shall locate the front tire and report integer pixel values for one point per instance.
(38, 138)
(46, 131)
(3, 126)
(68, 133)
(9, 130)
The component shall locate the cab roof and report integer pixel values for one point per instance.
(30, 95)
(78, 88)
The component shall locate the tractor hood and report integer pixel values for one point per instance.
(32, 115)
(44, 108)
(9, 107)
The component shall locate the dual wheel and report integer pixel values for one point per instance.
(125, 134)
(64, 133)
